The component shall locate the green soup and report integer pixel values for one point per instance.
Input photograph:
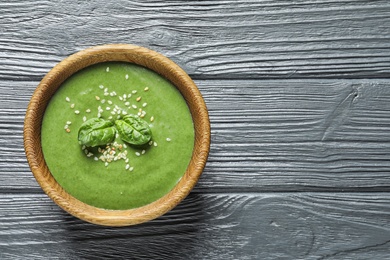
(139, 175)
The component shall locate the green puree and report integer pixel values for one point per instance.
(153, 169)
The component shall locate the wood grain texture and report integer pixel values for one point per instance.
(208, 226)
(298, 132)
(209, 39)
(289, 135)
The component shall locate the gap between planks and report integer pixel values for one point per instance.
(230, 191)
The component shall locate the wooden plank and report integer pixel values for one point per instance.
(291, 135)
(210, 39)
(208, 226)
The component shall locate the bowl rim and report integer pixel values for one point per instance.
(126, 53)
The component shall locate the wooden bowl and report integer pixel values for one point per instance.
(126, 53)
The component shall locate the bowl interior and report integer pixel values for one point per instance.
(125, 53)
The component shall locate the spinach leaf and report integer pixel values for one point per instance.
(96, 132)
(133, 130)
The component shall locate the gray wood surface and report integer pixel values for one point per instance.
(213, 39)
(208, 226)
(298, 94)
(279, 135)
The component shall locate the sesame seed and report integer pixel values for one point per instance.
(139, 113)
(144, 104)
(113, 113)
(67, 99)
(105, 90)
(84, 118)
(131, 169)
(99, 115)
(83, 147)
(124, 145)
(101, 86)
(97, 97)
(88, 110)
(152, 119)
(86, 151)
(134, 91)
(146, 89)
(89, 154)
(127, 103)
(155, 144)
(134, 106)
(138, 99)
(168, 139)
(110, 117)
(67, 130)
(124, 113)
(137, 153)
(142, 115)
(95, 158)
(143, 152)
(129, 95)
(109, 102)
(150, 142)
(103, 101)
(124, 96)
(68, 122)
(72, 106)
(66, 126)
(127, 160)
(112, 94)
(120, 98)
(118, 117)
(127, 76)
(107, 69)
(108, 108)
(106, 93)
(77, 112)
(106, 164)
(127, 166)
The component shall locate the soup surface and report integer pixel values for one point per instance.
(117, 175)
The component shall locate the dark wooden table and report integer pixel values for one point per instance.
(299, 100)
